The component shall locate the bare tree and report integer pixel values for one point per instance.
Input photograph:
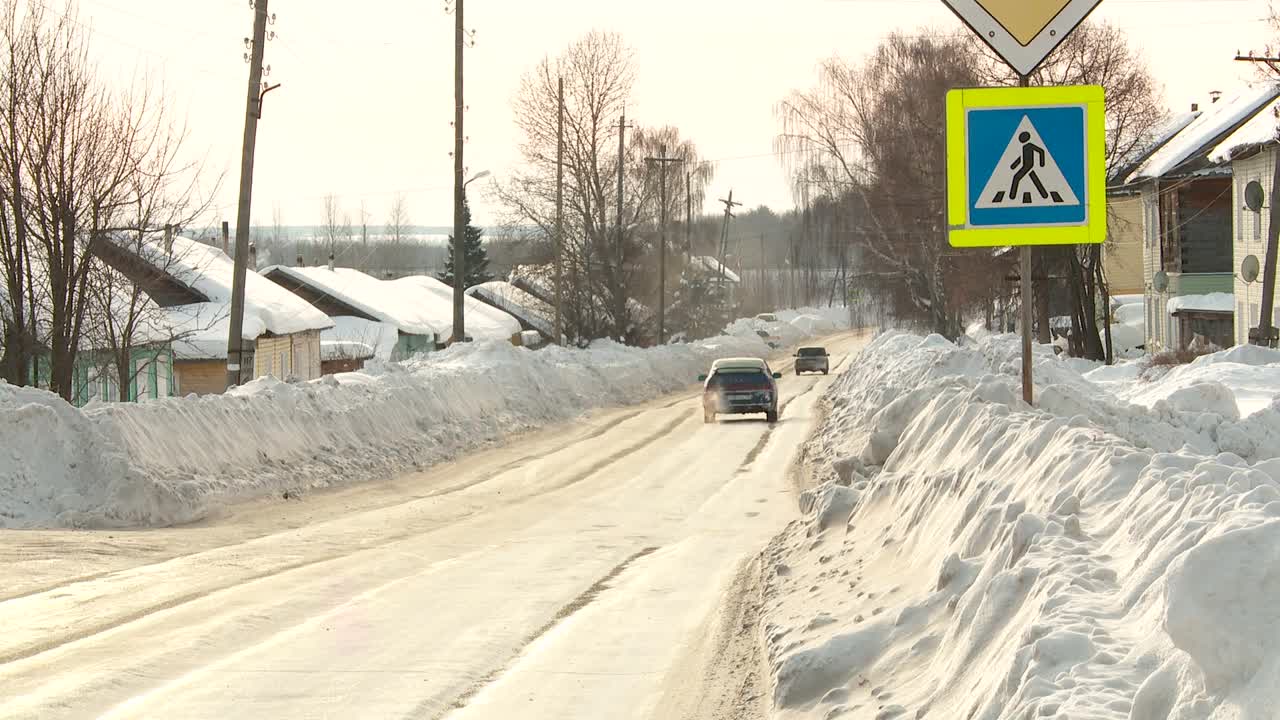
(82, 164)
(398, 219)
(599, 260)
(873, 136)
(332, 223)
(17, 301)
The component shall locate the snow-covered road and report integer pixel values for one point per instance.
(567, 575)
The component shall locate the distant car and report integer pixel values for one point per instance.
(771, 333)
(739, 386)
(812, 359)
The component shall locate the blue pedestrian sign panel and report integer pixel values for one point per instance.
(1026, 166)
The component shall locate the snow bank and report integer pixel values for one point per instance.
(794, 325)
(175, 460)
(1087, 558)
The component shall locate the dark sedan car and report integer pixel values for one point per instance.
(812, 359)
(737, 386)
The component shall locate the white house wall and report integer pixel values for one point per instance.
(1250, 236)
(1159, 326)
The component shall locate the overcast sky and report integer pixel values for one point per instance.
(365, 107)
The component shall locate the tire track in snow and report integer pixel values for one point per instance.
(495, 474)
(568, 610)
(34, 649)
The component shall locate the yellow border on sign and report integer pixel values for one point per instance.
(958, 101)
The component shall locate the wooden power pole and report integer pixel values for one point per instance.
(729, 205)
(459, 190)
(559, 324)
(619, 250)
(662, 161)
(253, 111)
(688, 216)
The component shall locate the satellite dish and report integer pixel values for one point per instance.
(1250, 269)
(1160, 281)
(1253, 196)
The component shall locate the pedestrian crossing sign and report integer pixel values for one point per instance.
(1026, 166)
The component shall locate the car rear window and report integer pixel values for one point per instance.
(737, 377)
(812, 352)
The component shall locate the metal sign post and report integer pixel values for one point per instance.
(1026, 166)
(1045, 185)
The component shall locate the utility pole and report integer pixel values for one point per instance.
(559, 324)
(459, 226)
(729, 205)
(226, 236)
(253, 111)
(662, 161)
(620, 250)
(364, 225)
(688, 216)
(1266, 330)
(764, 300)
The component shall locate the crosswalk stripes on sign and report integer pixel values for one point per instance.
(1027, 175)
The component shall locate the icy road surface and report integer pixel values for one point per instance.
(571, 574)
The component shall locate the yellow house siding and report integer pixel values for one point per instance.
(273, 356)
(288, 356)
(1123, 254)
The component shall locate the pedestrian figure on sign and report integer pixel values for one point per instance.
(1030, 153)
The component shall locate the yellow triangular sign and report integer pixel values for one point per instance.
(1023, 32)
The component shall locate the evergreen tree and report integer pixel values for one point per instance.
(699, 308)
(473, 247)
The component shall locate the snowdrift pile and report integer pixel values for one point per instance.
(175, 460)
(966, 556)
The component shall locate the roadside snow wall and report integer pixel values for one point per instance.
(174, 460)
(967, 556)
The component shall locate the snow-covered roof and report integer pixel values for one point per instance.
(713, 266)
(1260, 130)
(519, 303)
(351, 333)
(483, 321)
(1213, 302)
(200, 330)
(268, 308)
(151, 323)
(388, 302)
(1162, 135)
(1202, 135)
